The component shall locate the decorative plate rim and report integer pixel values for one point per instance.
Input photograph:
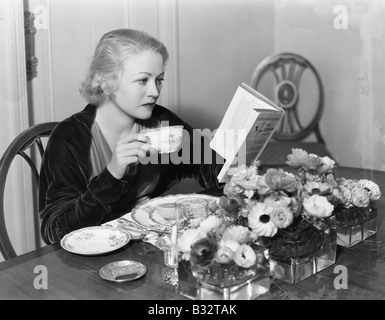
(92, 228)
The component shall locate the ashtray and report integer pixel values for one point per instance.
(123, 271)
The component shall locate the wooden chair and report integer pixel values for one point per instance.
(300, 121)
(29, 146)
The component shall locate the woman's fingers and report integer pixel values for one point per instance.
(132, 154)
(134, 141)
(132, 138)
(146, 149)
(129, 150)
(121, 160)
(126, 147)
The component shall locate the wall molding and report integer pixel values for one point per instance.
(46, 66)
(42, 85)
(131, 13)
(168, 34)
(19, 219)
(160, 18)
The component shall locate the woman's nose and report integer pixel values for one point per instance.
(153, 90)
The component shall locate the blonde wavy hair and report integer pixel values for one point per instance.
(113, 49)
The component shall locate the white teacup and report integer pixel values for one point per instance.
(167, 210)
(166, 139)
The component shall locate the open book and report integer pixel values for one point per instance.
(245, 130)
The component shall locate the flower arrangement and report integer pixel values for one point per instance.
(289, 212)
(221, 255)
(356, 201)
(355, 210)
(214, 241)
(285, 205)
(280, 195)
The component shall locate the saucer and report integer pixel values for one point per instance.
(123, 271)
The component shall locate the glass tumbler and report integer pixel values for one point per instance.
(171, 260)
(171, 253)
(190, 212)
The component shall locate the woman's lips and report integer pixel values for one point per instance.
(148, 104)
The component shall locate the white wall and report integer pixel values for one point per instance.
(220, 44)
(76, 27)
(217, 45)
(213, 45)
(351, 64)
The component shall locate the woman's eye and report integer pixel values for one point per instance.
(143, 81)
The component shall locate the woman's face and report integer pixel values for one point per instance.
(140, 84)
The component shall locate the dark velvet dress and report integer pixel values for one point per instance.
(71, 196)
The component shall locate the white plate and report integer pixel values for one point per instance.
(122, 271)
(146, 213)
(95, 240)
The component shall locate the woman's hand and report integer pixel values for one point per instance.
(129, 150)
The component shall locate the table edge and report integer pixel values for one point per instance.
(29, 256)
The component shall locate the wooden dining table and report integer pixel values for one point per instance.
(52, 273)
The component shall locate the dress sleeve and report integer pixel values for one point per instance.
(68, 199)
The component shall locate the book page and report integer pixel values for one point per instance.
(255, 102)
(233, 129)
(262, 102)
(258, 137)
(254, 144)
(247, 127)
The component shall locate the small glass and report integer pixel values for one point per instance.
(171, 255)
(171, 260)
(295, 270)
(190, 212)
(226, 282)
(349, 235)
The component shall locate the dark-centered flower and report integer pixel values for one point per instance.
(203, 251)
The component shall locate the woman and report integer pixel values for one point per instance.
(93, 169)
